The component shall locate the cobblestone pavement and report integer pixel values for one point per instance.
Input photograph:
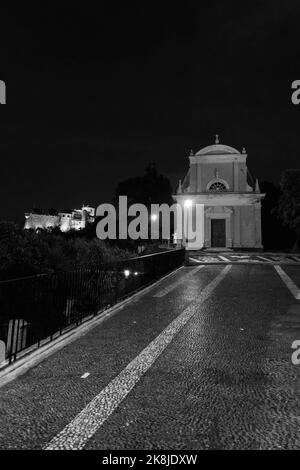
(242, 258)
(202, 361)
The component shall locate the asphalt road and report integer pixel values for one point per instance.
(202, 361)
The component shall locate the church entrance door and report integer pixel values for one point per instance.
(218, 233)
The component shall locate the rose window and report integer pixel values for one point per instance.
(217, 186)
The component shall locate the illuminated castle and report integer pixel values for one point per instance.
(76, 219)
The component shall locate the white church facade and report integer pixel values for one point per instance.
(229, 208)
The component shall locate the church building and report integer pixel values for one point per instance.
(230, 208)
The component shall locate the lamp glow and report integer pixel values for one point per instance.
(188, 203)
(126, 272)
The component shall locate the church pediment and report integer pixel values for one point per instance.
(218, 149)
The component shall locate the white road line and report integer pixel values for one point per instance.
(288, 282)
(196, 260)
(277, 259)
(166, 290)
(295, 258)
(224, 259)
(84, 376)
(76, 434)
(264, 259)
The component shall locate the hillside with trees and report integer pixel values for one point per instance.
(26, 252)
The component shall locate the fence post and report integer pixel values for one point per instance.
(2, 351)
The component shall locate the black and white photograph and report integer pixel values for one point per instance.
(149, 229)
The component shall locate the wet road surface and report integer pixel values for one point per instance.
(202, 361)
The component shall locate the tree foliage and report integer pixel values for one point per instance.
(25, 252)
(289, 201)
(151, 188)
(275, 236)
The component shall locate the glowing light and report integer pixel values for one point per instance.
(126, 272)
(188, 203)
(136, 273)
(154, 217)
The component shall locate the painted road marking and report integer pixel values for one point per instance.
(270, 259)
(196, 260)
(208, 259)
(224, 259)
(278, 259)
(166, 290)
(76, 434)
(288, 282)
(84, 376)
(264, 259)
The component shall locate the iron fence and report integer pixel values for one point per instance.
(37, 309)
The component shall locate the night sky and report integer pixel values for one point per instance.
(93, 95)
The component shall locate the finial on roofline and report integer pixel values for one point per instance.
(191, 152)
(217, 139)
(257, 188)
(244, 150)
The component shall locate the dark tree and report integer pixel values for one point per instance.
(26, 252)
(275, 235)
(289, 203)
(151, 188)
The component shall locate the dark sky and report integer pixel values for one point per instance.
(93, 95)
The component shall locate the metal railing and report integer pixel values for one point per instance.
(38, 309)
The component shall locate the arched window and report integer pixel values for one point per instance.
(217, 186)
